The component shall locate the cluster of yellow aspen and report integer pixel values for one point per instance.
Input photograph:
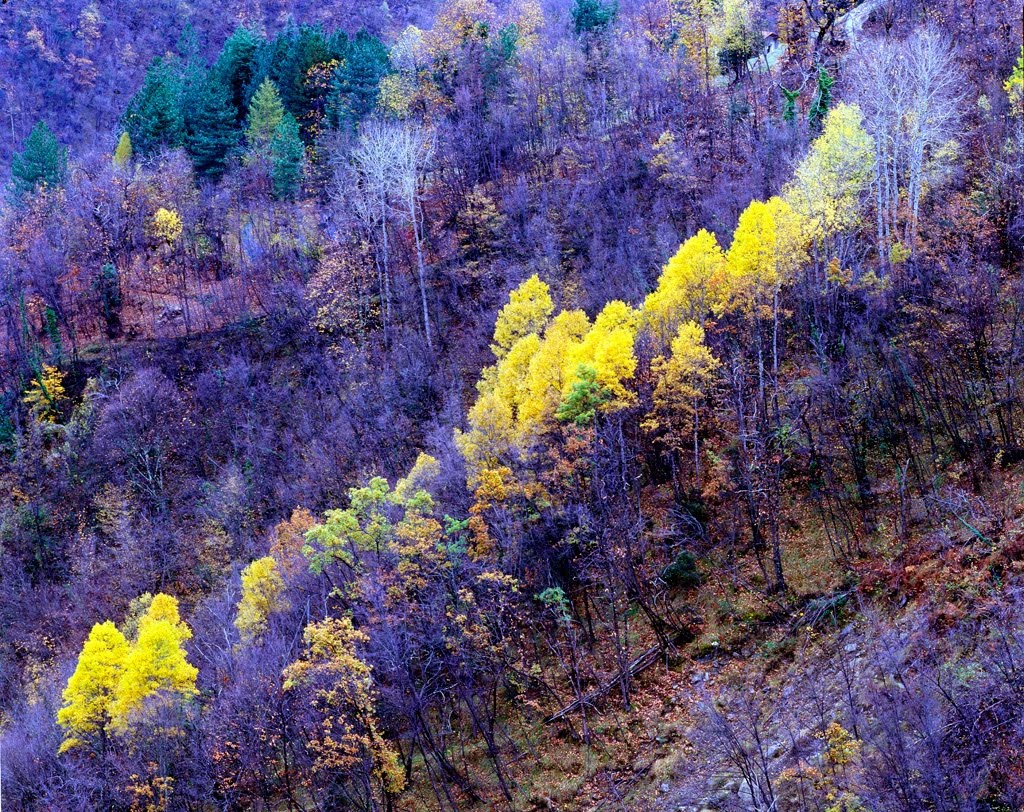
(541, 357)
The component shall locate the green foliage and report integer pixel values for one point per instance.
(286, 61)
(354, 87)
(585, 397)
(211, 127)
(108, 285)
(789, 98)
(266, 112)
(154, 116)
(287, 155)
(593, 16)
(43, 162)
(822, 99)
(682, 572)
(1015, 87)
(554, 599)
(236, 65)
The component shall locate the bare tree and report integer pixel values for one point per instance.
(388, 166)
(910, 92)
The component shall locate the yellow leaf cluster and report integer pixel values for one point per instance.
(345, 693)
(528, 310)
(827, 185)
(165, 226)
(262, 595)
(45, 394)
(114, 678)
(687, 286)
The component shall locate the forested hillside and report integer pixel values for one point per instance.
(541, 404)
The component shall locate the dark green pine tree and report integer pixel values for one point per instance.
(42, 163)
(154, 116)
(287, 154)
(592, 16)
(213, 132)
(354, 88)
(236, 66)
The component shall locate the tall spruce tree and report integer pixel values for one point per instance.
(154, 116)
(265, 113)
(236, 65)
(287, 154)
(212, 130)
(354, 89)
(43, 162)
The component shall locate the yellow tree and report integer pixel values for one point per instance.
(156, 665)
(262, 595)
(683, 379)
(608, 349)
(686, 287)
(123, 153)
(528, 310)
(827, 185)
(546, 378)
(769, 246)
(339, 682)
(45, 395)
(92, 689)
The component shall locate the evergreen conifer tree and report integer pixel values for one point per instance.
(287, 154)
(154, 116)
(212, 132)
(43, 162)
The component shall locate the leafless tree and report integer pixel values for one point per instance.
(388, 170)
(911, 94)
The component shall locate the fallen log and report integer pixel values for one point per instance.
(637, 665)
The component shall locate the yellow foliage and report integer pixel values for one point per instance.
(91, 689)
(841, 748)
(165, 226)
(156, 663)
(45, 395)
(828, 183)
(769, 246)
(1015, 87)
(546, 378)
(513, 370)
(123, 153)
(350, 734)
(528, 310)
(686, 286)
(682, 382)
(262, 595)
(424, 473)
(608, 348)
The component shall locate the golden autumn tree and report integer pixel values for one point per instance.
(45, 395)
(687, 286)
(607, 348)
(528, 310)
(262, 595)
(768, 247)
(347, 743)
(828, 183)
(156, 668)
(91, 691)
(682, 382)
